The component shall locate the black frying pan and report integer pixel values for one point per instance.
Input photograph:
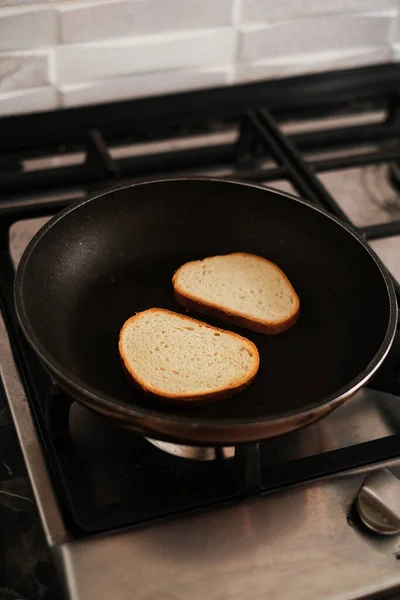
(102, 259)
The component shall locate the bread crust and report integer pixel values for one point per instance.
(216, 311)
(182, 399)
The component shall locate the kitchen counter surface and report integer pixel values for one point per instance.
(26, 571)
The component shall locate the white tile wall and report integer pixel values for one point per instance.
(309, 63)
(8, 3)
(396, 28)
(149, 84)
(313, 35)
(89, 21)
(32, 100)
(19, 70)
(94, 21)
(149, 16)
(396, 52)
(69, 52)
(140, 54)
(23, 30)
(256, 11)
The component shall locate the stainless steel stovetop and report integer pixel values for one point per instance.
(302, 542)
(301, 536)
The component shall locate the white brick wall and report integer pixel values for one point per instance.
(21, 70)
(27, 29)
(32, 100)
(149, 84)
(308, 63)
(141, 54)
(311, 35)
(6, 3)
(104, 19)
(150, 16)
(256, 11)
(98, 21)
(56, 53)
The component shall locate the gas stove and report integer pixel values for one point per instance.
(313, 514)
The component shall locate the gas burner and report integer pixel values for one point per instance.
(201, 453)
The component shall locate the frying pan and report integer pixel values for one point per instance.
(102, 259)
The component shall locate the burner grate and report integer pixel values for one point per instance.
(96, 468)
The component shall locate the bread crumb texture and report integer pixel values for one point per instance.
(243, 284)
(173, 355)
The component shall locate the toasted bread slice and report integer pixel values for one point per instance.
(179, 359)
(240, 288)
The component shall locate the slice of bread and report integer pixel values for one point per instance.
(240, 288)
(178, 359)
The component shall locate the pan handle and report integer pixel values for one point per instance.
(387, 378)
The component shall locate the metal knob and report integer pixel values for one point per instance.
(378, 502)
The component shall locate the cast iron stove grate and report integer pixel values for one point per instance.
(106, 477)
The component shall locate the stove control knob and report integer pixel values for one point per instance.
(378, 502)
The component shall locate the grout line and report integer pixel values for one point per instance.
(230, 80)
(236, 11)
(393, 31)
(52, 66)
(286, 18)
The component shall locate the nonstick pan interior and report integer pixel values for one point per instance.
(101, 261)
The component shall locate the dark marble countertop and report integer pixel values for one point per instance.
(26, 569)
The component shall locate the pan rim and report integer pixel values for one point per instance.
(133, 413)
